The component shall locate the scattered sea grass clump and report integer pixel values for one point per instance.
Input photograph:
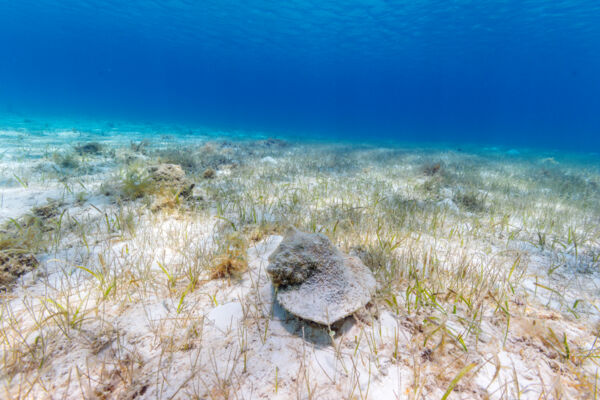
(214, 156)
(227, 267)
(81, 198)
(164, 186)
(135, 184)
(471, 201)
(166, 200)
(209, 156)
(49, 210)
(436, 178)
(89, 148)
(140, 147)
(273, 142)
(432, 186)
(256, 233)
(67, 160)
(13, 264)
(231, 261)
(179, 156)
(20, 240)
(432, 169)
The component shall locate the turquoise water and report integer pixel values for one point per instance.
(506, 73)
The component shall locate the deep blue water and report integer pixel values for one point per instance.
(512, 72)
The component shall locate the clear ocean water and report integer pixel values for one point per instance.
(508, 73)
(155, 153)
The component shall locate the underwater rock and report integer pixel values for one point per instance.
(316, 281)
(171, 176)
(166, 173)
(14, 263)
(209, 173)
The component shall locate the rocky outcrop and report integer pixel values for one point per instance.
(316, 281)
(171, 176)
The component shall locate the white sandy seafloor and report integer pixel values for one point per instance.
(113, 312)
